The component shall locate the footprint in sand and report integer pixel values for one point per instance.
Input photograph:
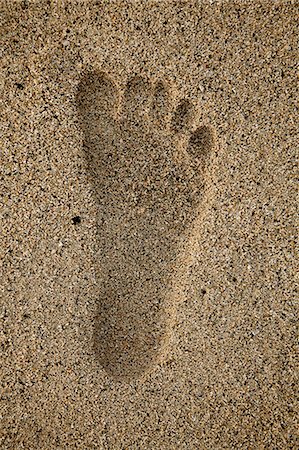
(148, 172)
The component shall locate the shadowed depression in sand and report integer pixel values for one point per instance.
(147, 166)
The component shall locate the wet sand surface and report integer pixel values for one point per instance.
(147, 238)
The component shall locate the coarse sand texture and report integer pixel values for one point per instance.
(148, 224)
(147, 163)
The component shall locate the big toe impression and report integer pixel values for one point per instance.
(96, 101)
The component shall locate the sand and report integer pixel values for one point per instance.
(148, 204)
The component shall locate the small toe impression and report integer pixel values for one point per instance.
(182, 116)
(96, 100)
(201, 144)
(136, 98)
(161, 104)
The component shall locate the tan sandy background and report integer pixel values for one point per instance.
(228, 378)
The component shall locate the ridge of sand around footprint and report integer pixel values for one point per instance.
(147, 166)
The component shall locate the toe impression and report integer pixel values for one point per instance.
(96, 100)
(136, 99)
(161, 105)
(182, 117)
(201, 144)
